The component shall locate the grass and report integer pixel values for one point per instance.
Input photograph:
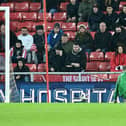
(62, 114)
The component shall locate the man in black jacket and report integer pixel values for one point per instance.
(76, 60)
(102, 38)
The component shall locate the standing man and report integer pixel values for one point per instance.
(121, 86)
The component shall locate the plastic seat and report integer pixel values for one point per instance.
(92, 66)
(27, 24)
(29, 16)
(122, 3)
(41, 17)
(10, 4)
(2, 16)
(108, 55)
(71, 35)
(63, 6)
(14, 25)
(23, 6)
(60, 16)
(35, 6)
(93, 34)
(50, 26)
(104, 66)
(16, 16)
(84, 23)
(32, 67)
(96, 56)
(41, 67)
(69, 26)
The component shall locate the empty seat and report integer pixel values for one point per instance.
(71, 35)
(14, 25)
(23, 6)
(92, 66)
(32, 67)
(48, 17)
(108, 55)
(16, 16)
(104, 66)
(69, 26)
(29, 16)
(35, 6)
(96, 56)
(50, 26)
(84, 23)
(59, 16)
(41, 67)
(63, 6)
(27, 24)
(10, 4)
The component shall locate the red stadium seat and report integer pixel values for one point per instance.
(113, 77)
(2, 78)
(29, 16)
(41, 67)
(93, 34)
(50, 26)
(121, 4)
(23, 6)
(14, 65)
(69, 26)
(87, 55)
(104, 66)
(60, 16)
(14, 25)
(84, 23)
(96, 56)
(48, 17)
(35, 24)
(108, 55)
(63, 6)
(10, 4)
(35, 6)
(2, 16)
(71, 35)
(32, 67)
(16, 16)
(92, 66)
(27, 24)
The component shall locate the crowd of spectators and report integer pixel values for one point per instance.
(69, 55)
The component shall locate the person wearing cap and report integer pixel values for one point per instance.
(76, 60)
(18, 51)
(54, 36)
(120, 89)
(39, 41)
(118, 59)
(84, 38)
(21, 67)
(95, 18)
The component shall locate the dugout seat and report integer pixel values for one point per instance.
(96, 56)
(59, 16)
(36, 6)
(69, 26)
(29, 16)
(63, 6)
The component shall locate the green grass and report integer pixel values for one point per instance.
(62, 114)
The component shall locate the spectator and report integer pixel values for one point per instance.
(118, 60)
(111, 18)
(18, 51)
(95, 18)
(72, 10)
(21, 67)
(55, 35)
(56, 59)
(27, 41)
(39, 41)
(76, 60)
(84, 38)
(122, 17)
(84, 10)
(102, 38)
(119, 36)
(66, 44)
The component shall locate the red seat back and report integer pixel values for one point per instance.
(35, 6)
(59, 16)
(96, 56)
(23, 6)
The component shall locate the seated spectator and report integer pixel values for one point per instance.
(95, 18)
(119, 36)
(122, 17)
(18, 51)
(76, 60)
(111, 18)
(39, 41)
(56, 59)
(84, 38)
(84, 10)
(66, 44)
(21, 67)
(118, 60)
(54, 36)
(27, 42)
(72, 10)
(102, 38)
